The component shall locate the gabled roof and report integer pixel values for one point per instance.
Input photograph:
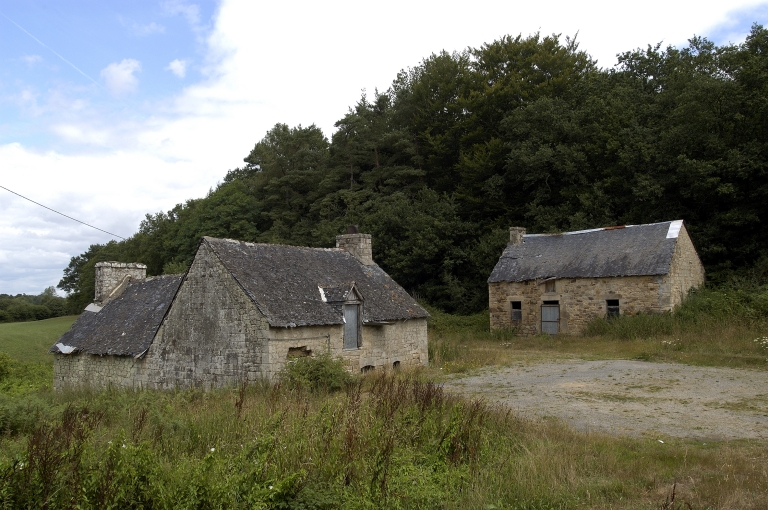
(632, 250)
(285, 281)
(339, 293)
(125, 326)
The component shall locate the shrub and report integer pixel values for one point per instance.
(317, 373)
(5, 365)
(22, 415)
(702, 309)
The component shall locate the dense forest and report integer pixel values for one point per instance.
(522, 131)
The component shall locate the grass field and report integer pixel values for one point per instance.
(385, 441)
(28, 363)
(29, 341)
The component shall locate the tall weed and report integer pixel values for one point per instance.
(704, 311)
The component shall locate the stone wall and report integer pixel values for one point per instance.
(686, 270)
(110, 274)
(580, 299)
(401, 342)
(212, 336)
(71, 370)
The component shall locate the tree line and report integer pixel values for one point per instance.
(523, 131)
(25, 307)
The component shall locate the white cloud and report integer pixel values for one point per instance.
(31, 60)
(141, 30)
(178, 67)
(149, 29)
(179, 7)
(77, 134)
(120, 77)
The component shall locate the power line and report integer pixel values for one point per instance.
(57, 212)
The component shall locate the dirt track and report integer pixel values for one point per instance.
(633, 398)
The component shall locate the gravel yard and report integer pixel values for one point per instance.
(634, 398)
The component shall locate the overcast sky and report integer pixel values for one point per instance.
(112, 110)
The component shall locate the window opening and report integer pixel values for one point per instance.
(367, 368)
(517, 312)
(396, 365)
(351, 326)
(299, 352)
(612, 307)
(549, 286)
(550, 317)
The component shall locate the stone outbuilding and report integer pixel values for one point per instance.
(557, 283)
(241, 312)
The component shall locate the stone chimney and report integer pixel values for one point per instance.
(111, 275)
(357, 244)
(516, 235)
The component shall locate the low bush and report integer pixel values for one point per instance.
(318, 373)
(21, 415)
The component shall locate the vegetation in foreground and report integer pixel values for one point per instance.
(385, 441)
(321, 439)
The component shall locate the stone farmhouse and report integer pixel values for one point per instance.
(556, 283)
(239, 313)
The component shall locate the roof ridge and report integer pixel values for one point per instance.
(248, 243)
(590, 230)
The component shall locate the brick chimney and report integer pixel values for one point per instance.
(111, 275)
(516, 235)
(357, 244)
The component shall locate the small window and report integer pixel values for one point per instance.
(367, 368)
(299, 352)
(396, 365)
(517, 312)
(612, 307)
(549, 286)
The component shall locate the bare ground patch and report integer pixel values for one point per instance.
(633, 398)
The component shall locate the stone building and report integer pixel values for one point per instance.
(556, 283)
(239, 313)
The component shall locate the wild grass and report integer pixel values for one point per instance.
(25, 363)
(714, 327)
(30, 341)
(386, 441)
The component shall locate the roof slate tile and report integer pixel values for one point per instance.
(125, 326)
(283, 281)
(634, 250)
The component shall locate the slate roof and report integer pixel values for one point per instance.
(125, 326)
(284, 282)
(633, 250)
